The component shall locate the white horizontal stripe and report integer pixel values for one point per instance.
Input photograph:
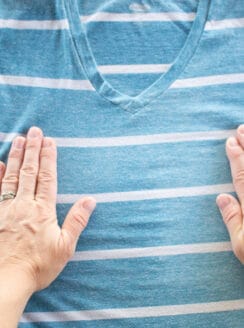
(144, 139)
(112, 17)
(34, 24)
(225, 23)
(123, 69)
(133, 140)
(137, 17)
(208, 80)
(125, 196)
(40, 82)
(136, 312)
(8, 137)
(152, 251)
(86, 85)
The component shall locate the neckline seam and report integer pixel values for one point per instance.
(104, 89)
(183, 67)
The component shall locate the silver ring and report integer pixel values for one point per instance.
(7, 195)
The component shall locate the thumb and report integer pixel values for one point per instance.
(232, 216)
(77, 220)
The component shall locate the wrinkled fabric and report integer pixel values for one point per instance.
(140, 97)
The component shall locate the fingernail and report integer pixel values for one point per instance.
(232, 142)
(19, 143)
(47, 142)
(89, 204)
(241, 129)
(222, 202)
(34, 132)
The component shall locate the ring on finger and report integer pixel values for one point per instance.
(7, 195)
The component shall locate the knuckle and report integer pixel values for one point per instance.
(46, 175)
(229, 213)
(239, 178)
(29, 169)
(80, 219)
(49, 153)
(14, 153)
(32, 144)
(10, 178)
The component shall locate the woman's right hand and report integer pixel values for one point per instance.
(30, 237)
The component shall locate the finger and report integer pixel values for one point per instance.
(235, 154)
(47, 177)
(11, 177)
(231, 213)
(30, 166)
(76, 221)
(240, 135)
(2, 170)
(233, 219)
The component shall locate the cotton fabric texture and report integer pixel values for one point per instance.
(140, 96)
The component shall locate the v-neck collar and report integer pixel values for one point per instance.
(158, 87)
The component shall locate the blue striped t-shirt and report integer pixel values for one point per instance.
(140, 97)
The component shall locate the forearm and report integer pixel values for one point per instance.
(15, 290)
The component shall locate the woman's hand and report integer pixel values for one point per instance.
(31, 240)
(232, 210)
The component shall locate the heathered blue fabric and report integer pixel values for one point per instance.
(131, 104)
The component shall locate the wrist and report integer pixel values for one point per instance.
(16, 287)
(17, 276)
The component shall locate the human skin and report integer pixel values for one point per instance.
(34, 249)
(232, 210)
